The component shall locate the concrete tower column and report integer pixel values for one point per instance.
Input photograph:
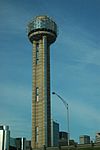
(42, 32)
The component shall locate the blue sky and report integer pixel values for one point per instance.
(75, 64)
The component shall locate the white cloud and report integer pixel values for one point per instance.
(85, 112)
(15, 91)
(81, 44)
(16, 108)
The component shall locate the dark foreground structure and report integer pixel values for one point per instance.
(92, 146)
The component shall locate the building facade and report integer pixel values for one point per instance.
(54, 133)
(63, 138)
(4, 137)
(42, 32)
(21, 143)
(97, 137)
(84, 139)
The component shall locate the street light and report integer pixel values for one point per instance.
(67, 108)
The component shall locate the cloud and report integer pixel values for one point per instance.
(85, 112)
(17, 92)
(79, 45)
(76, 65)
(16, 108)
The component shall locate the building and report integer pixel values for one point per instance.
(21, 143)
(97, 137)
(84, 139)
(4, 137)
(12, 144)
(42, 31)
(28, 145)
(63, 138)
(9, 143)
(54, 133)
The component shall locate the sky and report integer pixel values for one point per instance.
(75, 64)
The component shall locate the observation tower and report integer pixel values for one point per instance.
(42, 31)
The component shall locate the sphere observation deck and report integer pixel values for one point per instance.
(42, 26)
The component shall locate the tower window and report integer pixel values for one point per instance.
(37, 53)
(37, 94)
(36, 134)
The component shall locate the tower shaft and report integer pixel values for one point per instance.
(41, 113)
(42, 31)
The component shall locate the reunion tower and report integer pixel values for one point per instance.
(42, 31)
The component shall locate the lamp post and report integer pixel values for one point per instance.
(67, 108)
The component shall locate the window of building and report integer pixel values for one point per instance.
(37, 53)
(37, 134)
(37, 94)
